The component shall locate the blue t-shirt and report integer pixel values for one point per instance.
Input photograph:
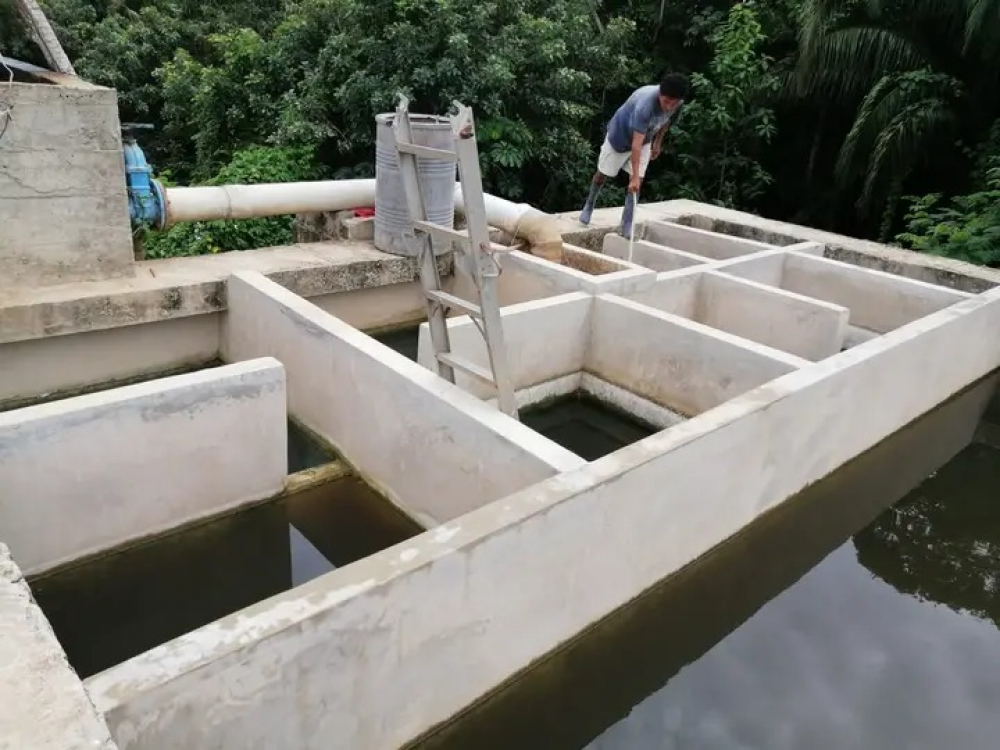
(641, 113)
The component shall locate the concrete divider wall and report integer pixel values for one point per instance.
(566, 278)
(802, 326)
(699, 241)
(677, 363)
(432, 448)
(545, 340)
(650, 255)
(799, 325)
(36, 368)
(343, 661)
(86, 474)
(877, 300)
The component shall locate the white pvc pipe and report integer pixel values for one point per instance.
(282, 198)
(269, 199)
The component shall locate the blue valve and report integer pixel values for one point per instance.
(146, 202)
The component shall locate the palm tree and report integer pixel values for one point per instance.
(924, 75)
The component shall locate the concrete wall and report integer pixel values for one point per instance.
(343, 662)
(877, 301)
(43, 705)
(421, 440)
(64, 365)
(62, 187)
(698, 241)
(799, 325)
(677, 363)
(650, 255)
(87, 474)
(564, 325)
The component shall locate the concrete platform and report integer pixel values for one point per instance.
(730, 342)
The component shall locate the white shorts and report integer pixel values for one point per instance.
(611, 162)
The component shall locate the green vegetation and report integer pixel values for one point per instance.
(834, 113)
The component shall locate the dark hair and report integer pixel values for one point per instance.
(675, 86)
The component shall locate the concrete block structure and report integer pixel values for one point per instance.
(135, 406)
(63, 177)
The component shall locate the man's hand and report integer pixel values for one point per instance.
(633, 183)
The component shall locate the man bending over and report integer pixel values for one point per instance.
(635, 135)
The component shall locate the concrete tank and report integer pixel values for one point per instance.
(437, 181)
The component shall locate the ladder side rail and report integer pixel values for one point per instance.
(484, 264)
(428, 271)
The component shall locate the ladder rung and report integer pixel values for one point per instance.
(448, 235)
(460, 363)
(426, 152)
(452, 301)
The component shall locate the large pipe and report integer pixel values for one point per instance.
(281, 198)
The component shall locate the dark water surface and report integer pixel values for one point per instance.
(403, 340)
(116, 606)
(585, 426)
(890, 642)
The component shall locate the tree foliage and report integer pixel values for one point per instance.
(825, 112)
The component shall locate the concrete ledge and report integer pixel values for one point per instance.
(91, 473)
(418, 438)
(619, 277)
(532, 358)
(43, 705)
(650, 255)
(684, 366)
(698, 241)
(179, 287)
(790, 322)
(431, 603)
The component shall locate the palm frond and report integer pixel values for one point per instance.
(901, 144)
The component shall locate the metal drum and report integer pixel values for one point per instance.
(437, 182)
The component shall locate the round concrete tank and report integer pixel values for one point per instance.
(437, 182)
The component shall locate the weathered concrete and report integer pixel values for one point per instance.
(878, 301)
(799, 325)
(425, 606)
(180, 287)
(63, 206)
(87, 474)
(677, 363)
(698, 241)
(420, 439)
(650, 255)
(43, 705)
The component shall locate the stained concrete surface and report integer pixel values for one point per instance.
(62, 176)
(44, 706)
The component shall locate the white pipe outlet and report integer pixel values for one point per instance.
(282, 198)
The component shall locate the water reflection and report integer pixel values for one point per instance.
(943, 543)
(846, 659)
(755, 646)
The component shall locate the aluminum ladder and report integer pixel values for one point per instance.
(473, 247)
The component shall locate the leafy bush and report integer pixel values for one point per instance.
(966, 228)
(256, 164)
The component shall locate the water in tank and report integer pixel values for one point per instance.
(437, 181)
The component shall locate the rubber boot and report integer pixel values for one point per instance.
(588, 207)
